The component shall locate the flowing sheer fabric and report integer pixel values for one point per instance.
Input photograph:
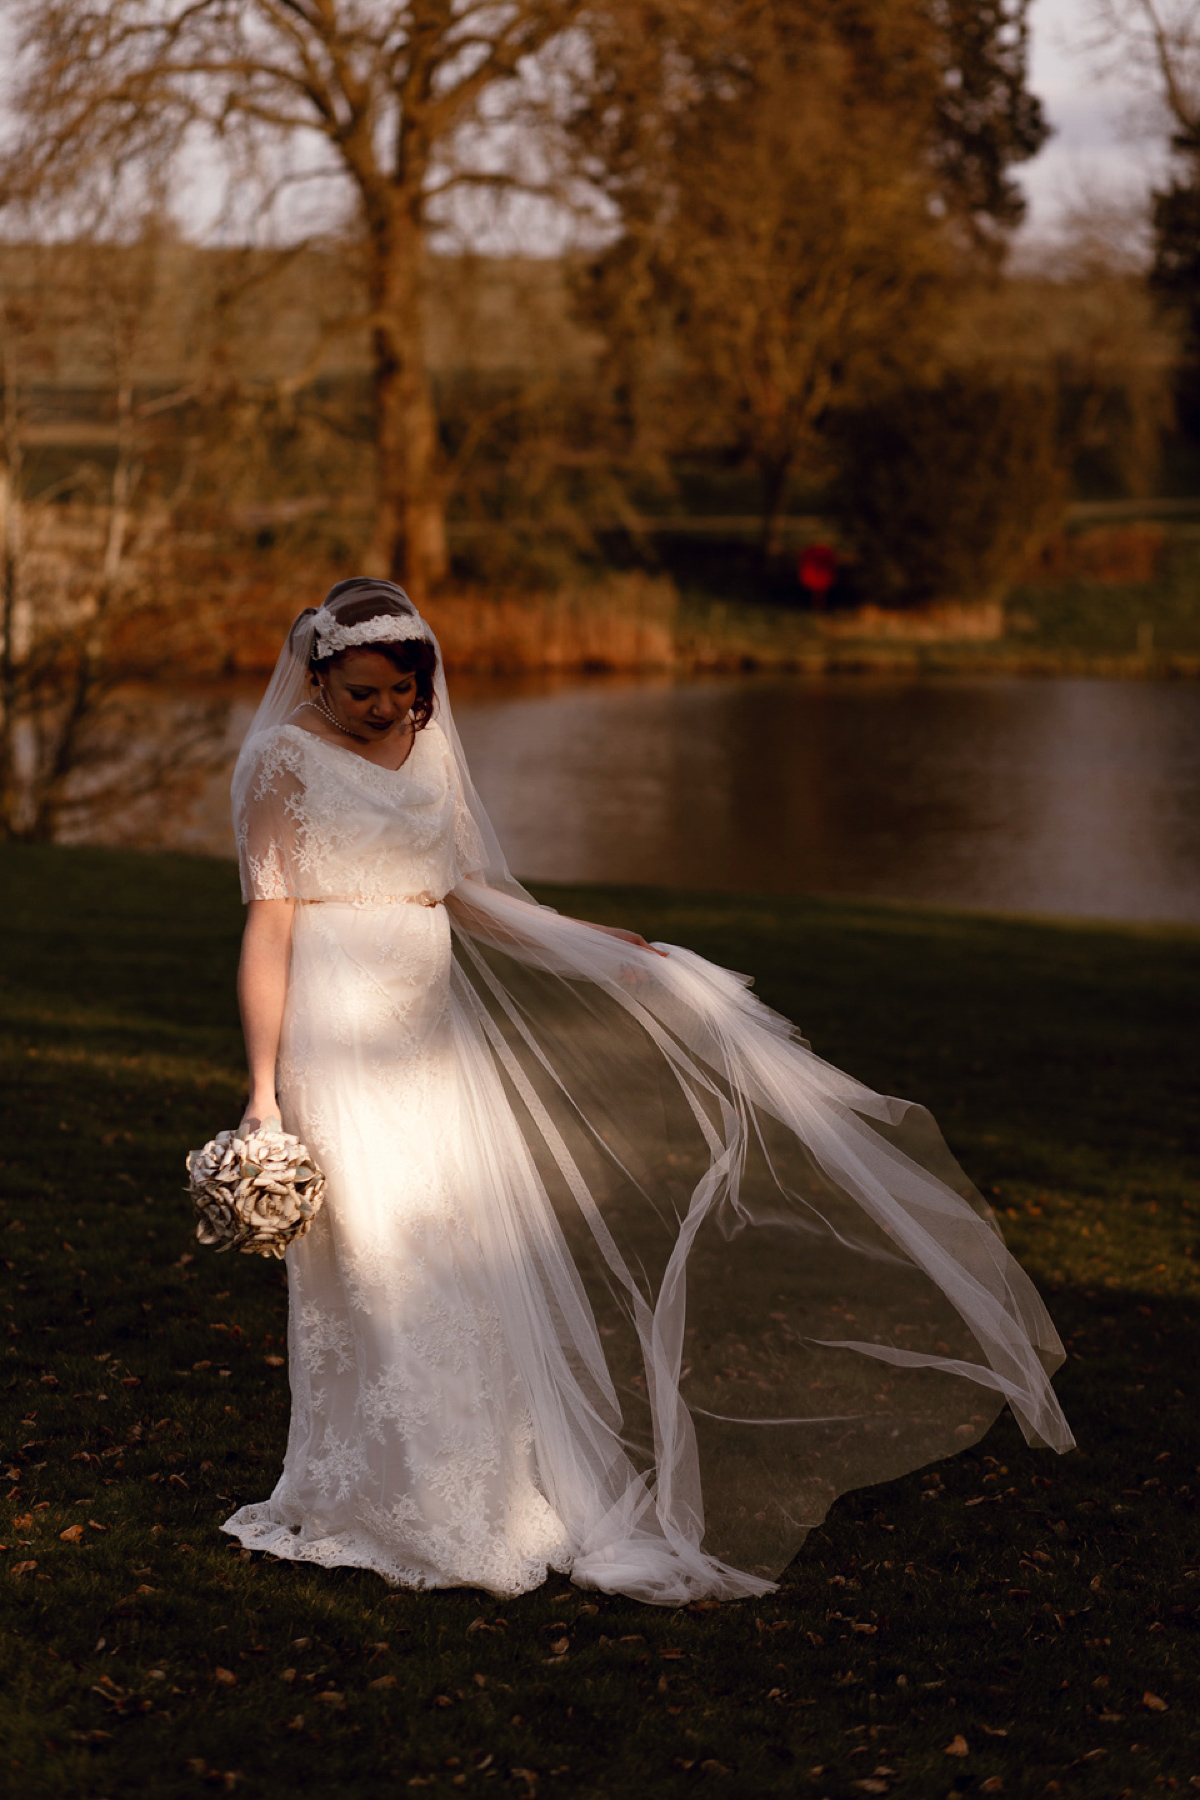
(615, 1276)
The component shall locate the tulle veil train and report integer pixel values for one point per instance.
(735, 1282)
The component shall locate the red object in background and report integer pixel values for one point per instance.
(817, 570)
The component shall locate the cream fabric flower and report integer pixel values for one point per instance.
(257, 1194)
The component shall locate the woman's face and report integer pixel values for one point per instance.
(368, 693)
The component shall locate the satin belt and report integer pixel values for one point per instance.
(380, 900)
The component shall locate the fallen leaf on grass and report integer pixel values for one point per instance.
(226, 1677)
(331, 1698)
(993, 1785)
(710, 1766)
(861, 1626)
(560, 1646)
(871, 1786)
(383, 1681)
(24, 1523)
(273, 1362)
(97, 1527)
(23, 1568)
(957, 1746)
(72, 1534)
(300, 1644)
(1153, 1704)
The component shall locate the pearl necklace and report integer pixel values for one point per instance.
(320, 706)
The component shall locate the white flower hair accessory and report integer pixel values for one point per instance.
(387, 628)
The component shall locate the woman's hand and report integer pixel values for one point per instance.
(260, 1113)
(626, 937)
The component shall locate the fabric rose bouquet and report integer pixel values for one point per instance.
(256, 1194)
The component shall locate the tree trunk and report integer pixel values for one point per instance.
(773, 472)
(409, 540)
(83, 682)
(11, 621)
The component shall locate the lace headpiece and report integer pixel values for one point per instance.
(387, 628)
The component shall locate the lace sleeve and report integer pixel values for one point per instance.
(268, 823)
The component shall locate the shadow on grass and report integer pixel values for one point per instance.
(1004, 1618)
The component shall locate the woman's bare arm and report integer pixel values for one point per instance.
(262, 991)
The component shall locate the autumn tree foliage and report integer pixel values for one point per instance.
(796, 183)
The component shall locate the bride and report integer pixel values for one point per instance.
(614, 1275)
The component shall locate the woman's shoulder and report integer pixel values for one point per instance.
(433, 731)
(274, 750)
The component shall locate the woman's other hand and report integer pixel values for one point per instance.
(626, 937)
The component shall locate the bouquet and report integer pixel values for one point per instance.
(256, 1194)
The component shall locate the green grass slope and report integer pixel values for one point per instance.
(1008, 1622)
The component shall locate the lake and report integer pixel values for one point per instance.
(1061, 796)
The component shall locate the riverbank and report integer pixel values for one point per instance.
(1080, 617)
(1008, 1618)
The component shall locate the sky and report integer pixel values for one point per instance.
(1096, 151)
(1097, 148)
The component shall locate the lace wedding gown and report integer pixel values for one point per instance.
(614, 1276)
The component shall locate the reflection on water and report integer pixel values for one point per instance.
(1056, 796)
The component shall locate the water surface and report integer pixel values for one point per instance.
(1061, 796)
(1076, 797)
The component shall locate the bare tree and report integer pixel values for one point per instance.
(403, 105)
(1158, 40)
(90, 579)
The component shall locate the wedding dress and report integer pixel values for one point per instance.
(614, 1275)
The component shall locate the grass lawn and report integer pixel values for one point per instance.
(1008, 1622)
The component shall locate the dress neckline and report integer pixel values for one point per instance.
(347, 751)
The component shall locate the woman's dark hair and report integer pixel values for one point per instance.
(408, 656)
